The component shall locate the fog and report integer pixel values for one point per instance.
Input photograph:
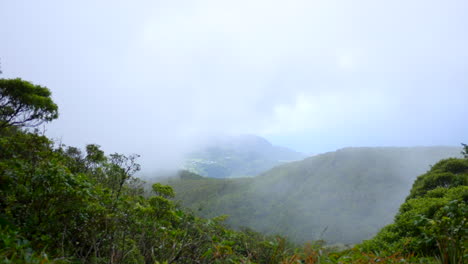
(160, 78)
(344, 196)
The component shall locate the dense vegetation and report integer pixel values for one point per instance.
(434, 217)
(342, 197)
(59, 204)
(89, 208)
(240, 156)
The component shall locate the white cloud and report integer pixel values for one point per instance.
(161, 76)
(346, 62)
(328, 111)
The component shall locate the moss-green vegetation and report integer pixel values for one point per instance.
(88, 208)
(434, 217)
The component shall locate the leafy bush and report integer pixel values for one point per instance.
(433, 218)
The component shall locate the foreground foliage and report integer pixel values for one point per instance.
(88, 208)
(434, 217)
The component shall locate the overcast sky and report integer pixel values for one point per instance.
(159, 77)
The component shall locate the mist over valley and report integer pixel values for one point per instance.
(344, 196)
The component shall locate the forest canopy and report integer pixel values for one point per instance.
(25, 104)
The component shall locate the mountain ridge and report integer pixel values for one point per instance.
(238, 156)
(350, 193)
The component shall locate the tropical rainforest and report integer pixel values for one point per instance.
(63, 204)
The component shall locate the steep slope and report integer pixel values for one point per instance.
(239, 156)
(343, 196)
(432, 220)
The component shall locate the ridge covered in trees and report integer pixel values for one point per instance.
(344, 196)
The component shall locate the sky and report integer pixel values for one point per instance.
(160, 78)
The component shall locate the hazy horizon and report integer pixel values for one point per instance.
(161, 78)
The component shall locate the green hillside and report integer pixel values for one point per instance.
(344, 196)
(239, 156)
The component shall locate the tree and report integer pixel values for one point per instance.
(465, 151)
(24, 104)
(94, 155)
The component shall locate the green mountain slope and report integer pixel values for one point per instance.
(343, 196)
(239, 156)
(432, 220)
